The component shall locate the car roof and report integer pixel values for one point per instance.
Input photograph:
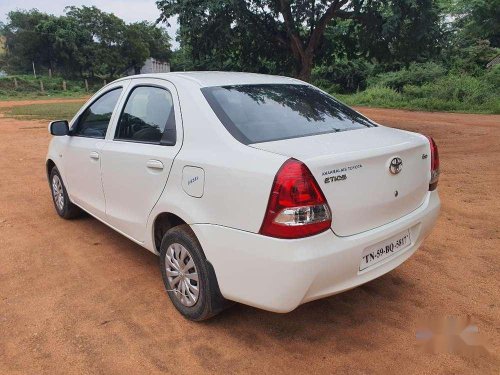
(208, 79)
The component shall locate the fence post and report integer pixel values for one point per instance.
(15, 83)
(64, 85)
(104, 82)
(50, 73)
(86, 85)
(41, 86)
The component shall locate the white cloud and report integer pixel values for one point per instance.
(128, 10)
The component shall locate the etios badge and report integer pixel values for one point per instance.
(396, 165)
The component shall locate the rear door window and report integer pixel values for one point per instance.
(148, 117)
(270, 112)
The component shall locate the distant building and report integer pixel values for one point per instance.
(493, 62)
(150, 66)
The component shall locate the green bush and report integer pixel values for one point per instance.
(462, 92)
(378, 96)
(327, 86)
(416, 74)
(471, 60)
(429, 87)
(344, 76)
(493, 77)
(28, 85)
(463, 88)
(493, 105)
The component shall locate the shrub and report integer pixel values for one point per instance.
(29, 85)
(346, 76)
(378, 96)
(416, 74)
(463, 88)
(449, 93)
(324, 84)
(493, 77)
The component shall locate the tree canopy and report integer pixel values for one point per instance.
(342, 44)
(85, 41)
(291, 34)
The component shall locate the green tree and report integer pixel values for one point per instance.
(288, 34)
(84, 41)
(400, 32)
(69, 44)
(143, 40)
(135, 47)
(108, 33)
(477, 19)
(24, 44)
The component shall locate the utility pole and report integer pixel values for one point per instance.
(34, 71)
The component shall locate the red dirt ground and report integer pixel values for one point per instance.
(76, 297)
(18, 103)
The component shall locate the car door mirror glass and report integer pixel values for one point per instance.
(59, 128)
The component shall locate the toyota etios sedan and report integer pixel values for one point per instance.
(251, 188)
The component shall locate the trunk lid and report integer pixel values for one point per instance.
(353, 170)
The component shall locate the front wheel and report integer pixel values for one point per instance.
(62, 204)
(188, 277)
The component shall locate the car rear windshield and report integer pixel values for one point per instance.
(271, 112)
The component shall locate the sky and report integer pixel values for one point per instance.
(128, 10)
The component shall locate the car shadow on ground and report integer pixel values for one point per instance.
(367, 309)
(354, 317)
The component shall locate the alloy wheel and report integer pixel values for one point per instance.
(57, 192)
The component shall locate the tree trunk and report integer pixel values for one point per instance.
(305, 64)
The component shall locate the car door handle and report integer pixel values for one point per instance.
(94, 155)
(154, 164)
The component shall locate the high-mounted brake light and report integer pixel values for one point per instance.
(297, 207)
(434, 165)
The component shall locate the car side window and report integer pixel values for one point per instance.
(148, 117)
(94, 121)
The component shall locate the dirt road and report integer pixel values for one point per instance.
(18, 103)
(78, 298)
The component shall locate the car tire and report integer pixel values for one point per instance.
(64, 207)
(179, 250)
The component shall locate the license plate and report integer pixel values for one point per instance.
(382, 250)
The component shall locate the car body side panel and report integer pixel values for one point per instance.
(237, 180)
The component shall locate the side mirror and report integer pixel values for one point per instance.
(59, 128)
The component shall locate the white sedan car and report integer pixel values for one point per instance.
(251, 188)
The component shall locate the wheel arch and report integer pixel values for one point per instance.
(163, 222)
(49, 165)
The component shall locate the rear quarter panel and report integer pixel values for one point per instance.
(238, 178)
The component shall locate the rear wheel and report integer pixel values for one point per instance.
(188, 277)
(62, 204)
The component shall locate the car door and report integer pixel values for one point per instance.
(82, 158)
(137, 157)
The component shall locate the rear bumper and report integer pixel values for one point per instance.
(279, 275)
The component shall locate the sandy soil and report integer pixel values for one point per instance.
(76, 297)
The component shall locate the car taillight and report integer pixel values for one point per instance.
(297, 207)
(434, 165)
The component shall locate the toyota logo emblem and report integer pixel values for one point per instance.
(396, 165)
